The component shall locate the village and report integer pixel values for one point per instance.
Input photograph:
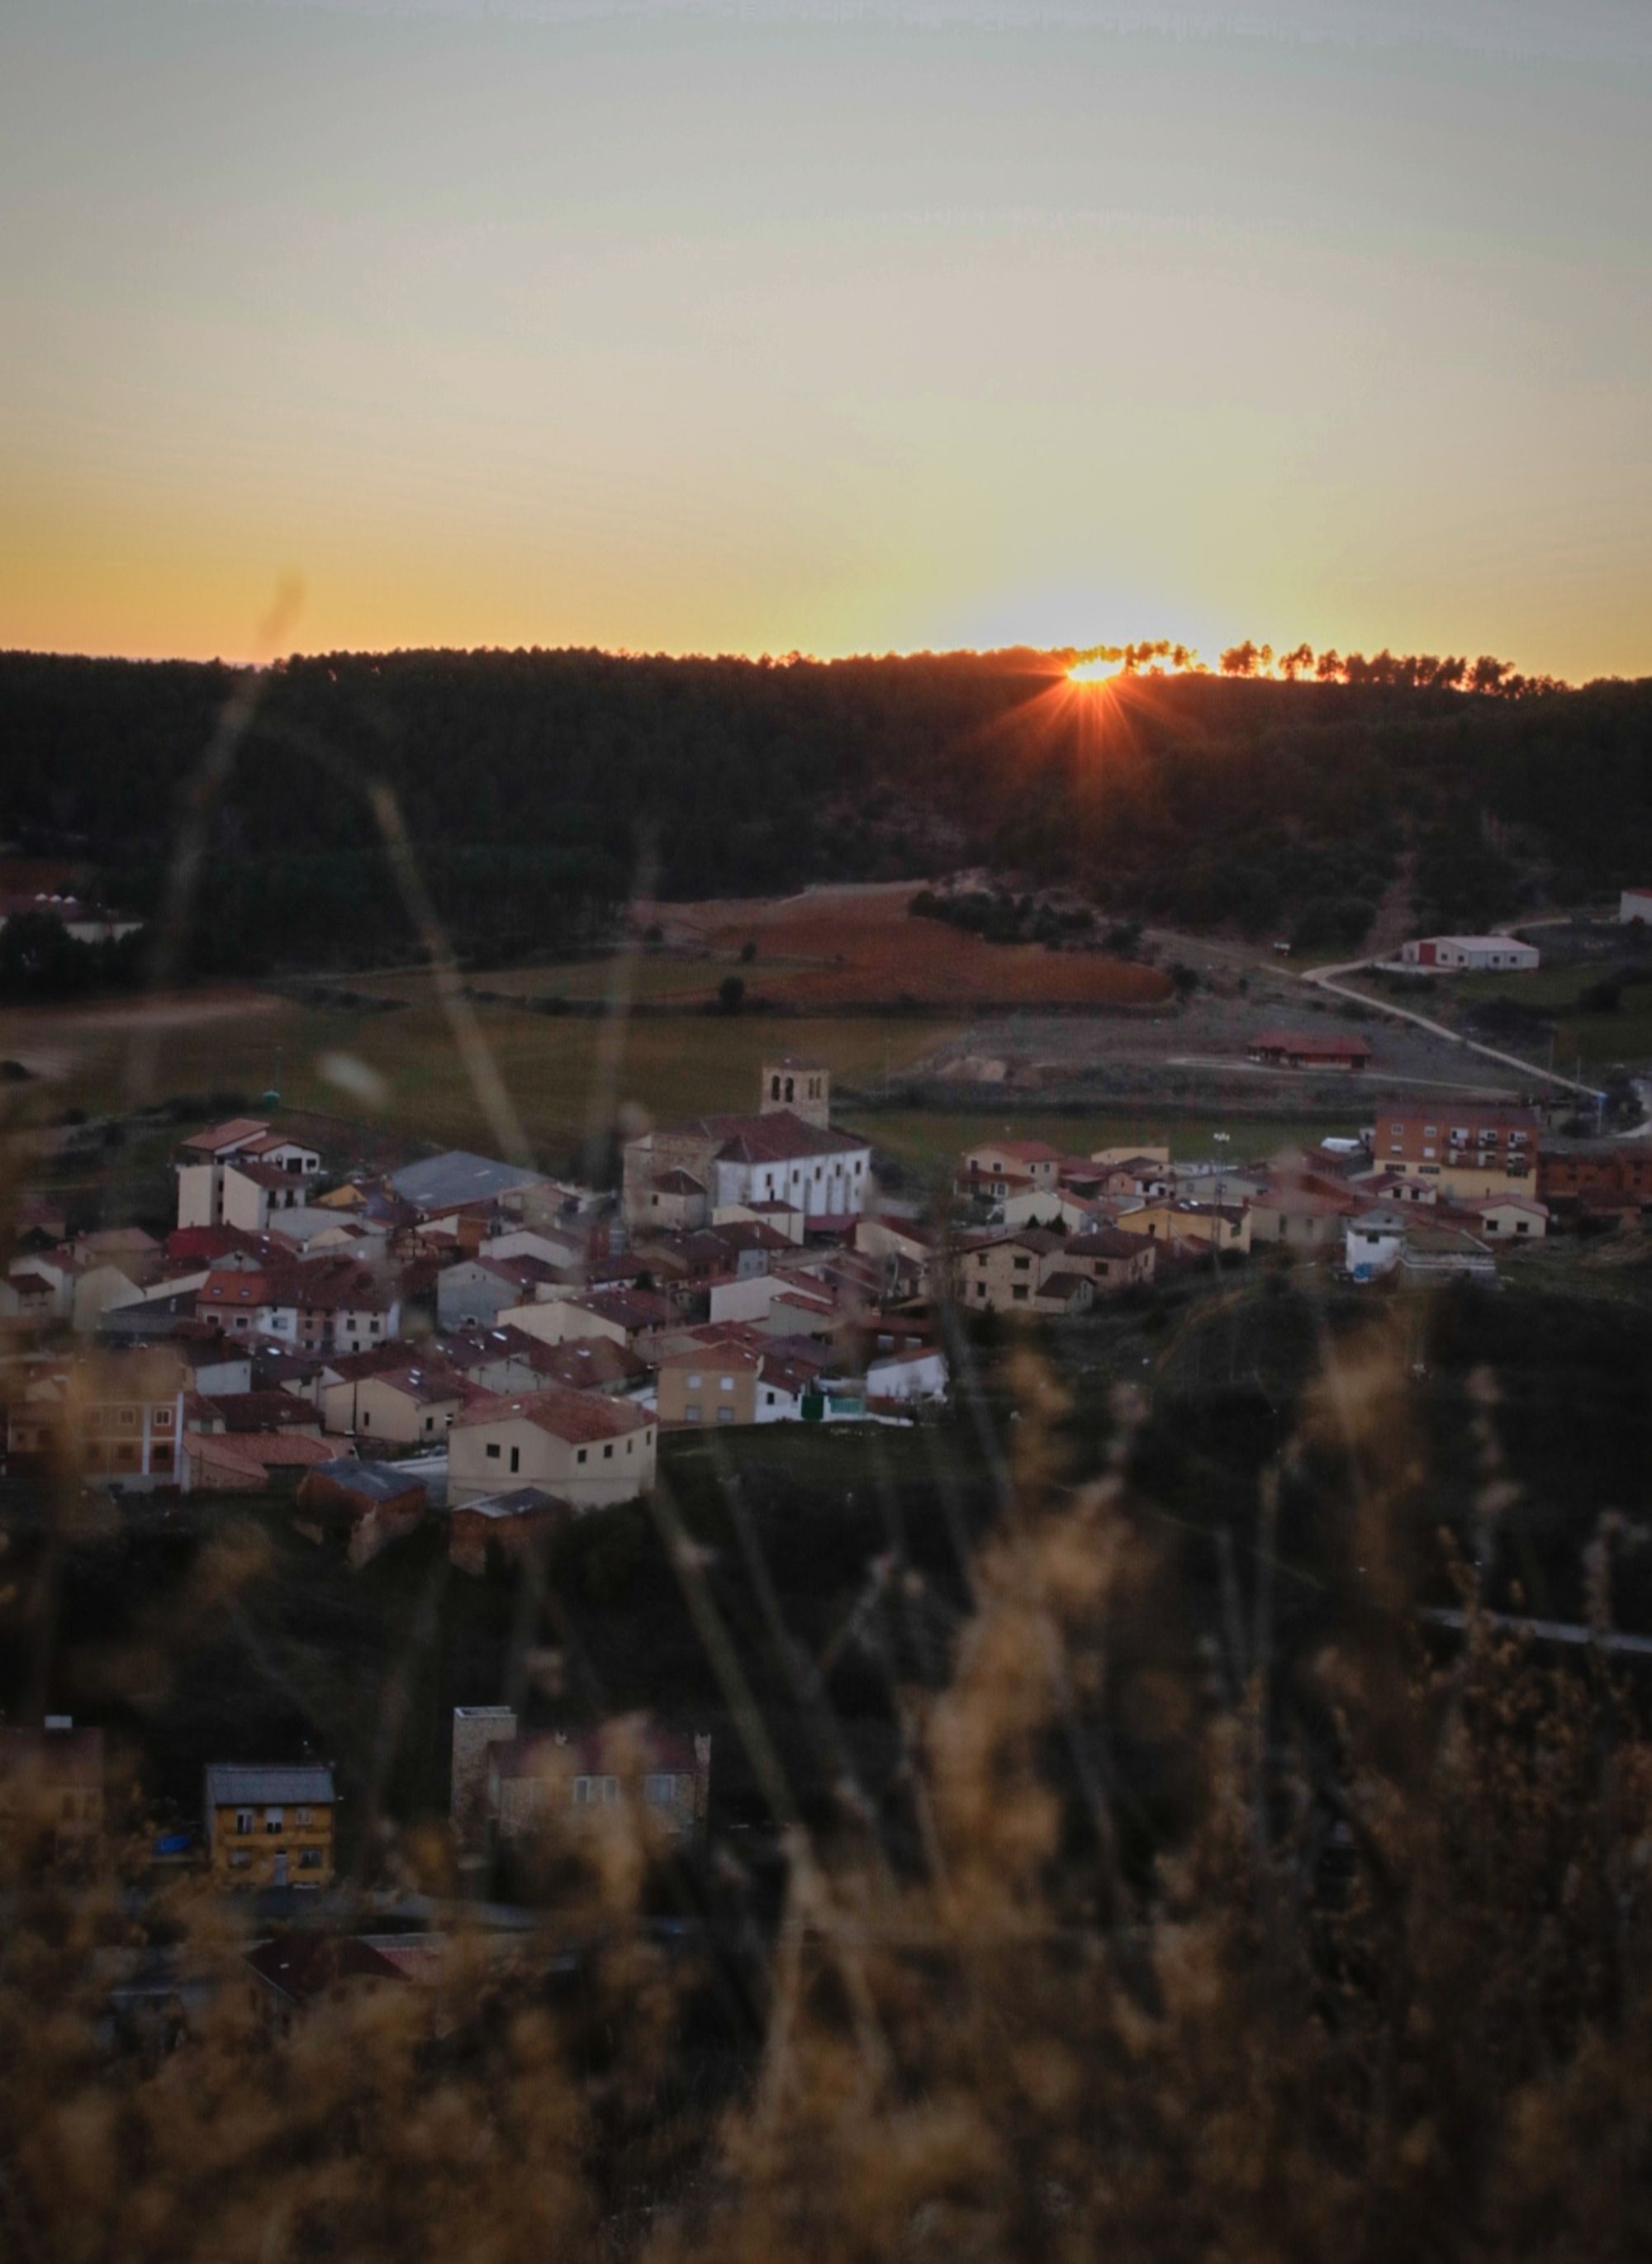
(473, 1352)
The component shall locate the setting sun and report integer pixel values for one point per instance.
(1097, 671)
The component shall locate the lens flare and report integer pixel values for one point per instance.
(1098, 671)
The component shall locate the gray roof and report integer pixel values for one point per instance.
(523, 1501)
(459, 1177)
(372, 1481)
(255, 1784)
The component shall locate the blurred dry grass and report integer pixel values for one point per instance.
(1383, 1994)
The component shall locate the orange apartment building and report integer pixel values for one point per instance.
(1467, 1149)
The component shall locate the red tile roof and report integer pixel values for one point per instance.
(576, 1417)
(1331, 1045)
(776, 1137)
(234, 1134)
(304, 1966)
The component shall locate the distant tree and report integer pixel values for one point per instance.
(1185, 979)
(1602, 997)
(1241, 659)
(747, 953)
(1296, 663)
(731, 994)
(1328, 667)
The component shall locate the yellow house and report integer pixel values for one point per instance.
(268, 1824)
(586, 1450)
(1226, 1224)
(412, 1405)
(1025, 1272)
(710, 1383)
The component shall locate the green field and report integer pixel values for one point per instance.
(1599, 1041)
(565, 1078)
(929, 1140)
(632, 975)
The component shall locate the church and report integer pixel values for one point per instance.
(681, 1176)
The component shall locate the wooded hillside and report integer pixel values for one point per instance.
(540, 788)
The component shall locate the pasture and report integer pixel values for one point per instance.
(405, 1070)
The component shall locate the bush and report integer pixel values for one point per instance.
(1333, 922)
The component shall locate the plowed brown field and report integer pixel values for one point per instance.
(860, 946)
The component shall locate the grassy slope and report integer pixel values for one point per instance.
(557, 1072)
(1598, 1040)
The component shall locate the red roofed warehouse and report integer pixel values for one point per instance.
(1309, 1049)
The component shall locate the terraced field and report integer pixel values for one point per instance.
(861, 947)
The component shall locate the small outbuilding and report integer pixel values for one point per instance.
(361, 1506)
(1309, 1049)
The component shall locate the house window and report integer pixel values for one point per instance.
(243, 1820)
(240, 1860)
(310, 1859)
(1019, 1293)
(304, 1818)
(128, 1418)
(161, 1458)
(274, 1820)
(659, 1791)
(725, 1414)
(692, 1414)
(582, 1791)
(725, 1383)
(610, 1791)
(516, 1458)
(493, 1452)
(608, 1452)
(768, 1399)
(1022, 1263)
(583, 1455)
(163, 1418)
(693, 1382)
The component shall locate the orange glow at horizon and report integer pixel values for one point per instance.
(1097, 671)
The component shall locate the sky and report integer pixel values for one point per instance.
(775, 327)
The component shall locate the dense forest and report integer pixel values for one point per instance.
(537, 790)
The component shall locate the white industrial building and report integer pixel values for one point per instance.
(1471, 954)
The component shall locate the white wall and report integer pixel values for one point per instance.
(198, 1195)
(818, 1186)
(907, 1379)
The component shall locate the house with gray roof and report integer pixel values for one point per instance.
(449, 1182)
